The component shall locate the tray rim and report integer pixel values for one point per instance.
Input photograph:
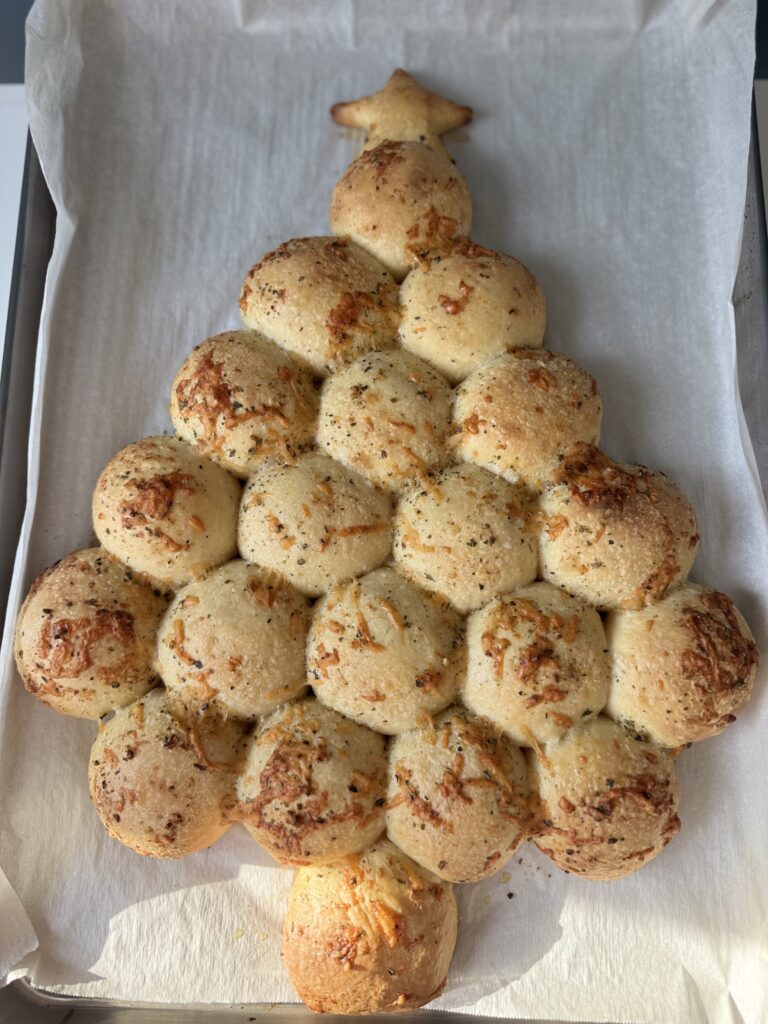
(35, 231)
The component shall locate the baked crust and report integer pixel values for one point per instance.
(471, 305)
(239, 400)
(466, 535)
(162, 782)
(325, 299)
(371, 933)
(386, 416)
(314, 522)
(537, 663)
(403, 109)
(85, 635)
(166, 510)
(608, 803)
(403, 202)
(682, 669)
(517, 414)
(459, 797)
(313, 787)
(235, 641)
(384, 653)
(616, 536)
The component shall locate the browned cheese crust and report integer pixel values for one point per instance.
(325, 299)
(163, 782)
(240, 400)
(402, 201)
(85, 635)
(469, 306)
(384, 653)
(371, 933)
(616, 536)
(683, 669)
(518, 413)
(537, 663)
(608, 803)
(466, 535)
(313, 786)
(458, 799)
(166, 511)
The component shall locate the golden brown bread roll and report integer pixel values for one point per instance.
(460, 311)
(85, 635)
(537, 663)
(161, 783)
(683, 669)
(402, 201)
(459, 798)
(608, 803)
(166, 511)
(313, 786)
(466, 535)
(235, 640)
(371, 933)
(518, 413)
(616, 536)
(324, 299)
(384, 653)
(240, 400)
(315, 522)
(386, 416)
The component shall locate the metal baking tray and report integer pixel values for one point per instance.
(22, 1002)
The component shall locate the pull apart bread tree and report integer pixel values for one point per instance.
(454, 623)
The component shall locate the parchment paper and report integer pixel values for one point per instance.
(181, 140)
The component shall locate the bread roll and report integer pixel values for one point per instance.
(369, 934)
(314, 784)
(458, 799)
(402, 201)
(683, 669)
(325, 299)
(537, 663)
(383, 653)
(240, 400)
(85, 635)
(462, 310)
(166, 511)
(616, 536)
(314, 522)
(467, 536)
(161, 785)
(608, 803)
(402, 110)
(518, 413)
(235, 639)
(386, 416)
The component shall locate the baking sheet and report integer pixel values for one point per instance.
(182, 140)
